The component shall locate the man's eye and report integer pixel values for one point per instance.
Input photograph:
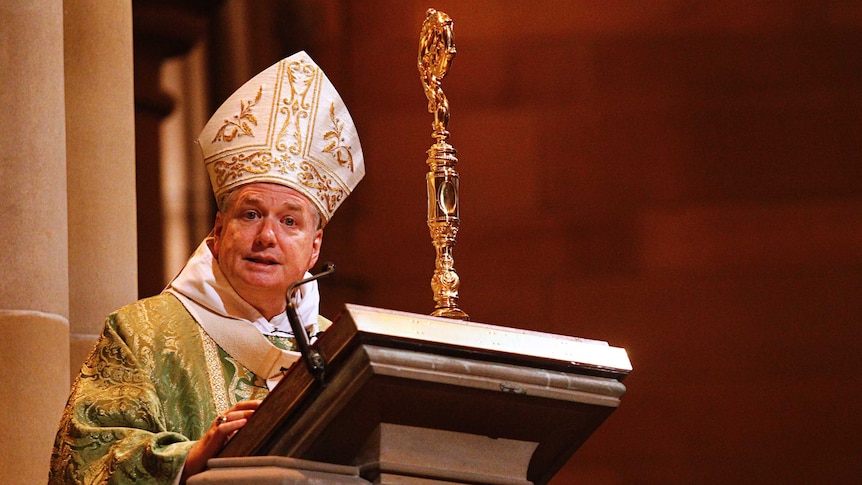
(289, 221)
(250, 215)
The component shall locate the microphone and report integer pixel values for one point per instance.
(313, 360)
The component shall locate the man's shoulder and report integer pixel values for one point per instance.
(161, 302)
(154, 311)
(162, 317)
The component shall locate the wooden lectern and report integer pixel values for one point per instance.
(415, 399)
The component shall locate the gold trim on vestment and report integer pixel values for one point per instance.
(221, 400)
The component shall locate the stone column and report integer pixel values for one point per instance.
(100, 154)
(34, 291)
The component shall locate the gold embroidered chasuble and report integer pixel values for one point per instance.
(152, 386)
(157, 379)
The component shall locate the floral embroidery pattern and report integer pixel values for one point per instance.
(325, 186)
(229, 170)
(335, 147)
(240, 124)
(327, 191)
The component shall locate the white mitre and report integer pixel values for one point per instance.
(288, 126)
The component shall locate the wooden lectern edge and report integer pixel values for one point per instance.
(490, 376)
(454, 477)
(562, 350)
(283, 462)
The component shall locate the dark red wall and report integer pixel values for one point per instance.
(681, 179)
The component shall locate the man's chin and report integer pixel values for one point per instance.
(266, 281)
(263, 285)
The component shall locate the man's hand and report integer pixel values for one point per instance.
(211, 443)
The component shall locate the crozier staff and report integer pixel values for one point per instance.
(173, 376)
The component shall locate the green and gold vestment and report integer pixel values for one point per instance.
(156, 379)
(152, 385)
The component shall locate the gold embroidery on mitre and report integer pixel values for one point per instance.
(256, 163)
(281, 134)
(300, 76)
(327, 190)
(262, 162)
(334, 147)
(241, 123)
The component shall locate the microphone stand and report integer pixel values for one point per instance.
(313, 360)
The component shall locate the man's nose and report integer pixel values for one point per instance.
(266, 234)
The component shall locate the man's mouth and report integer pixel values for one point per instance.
(266, 261)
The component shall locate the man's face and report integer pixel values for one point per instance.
(264, 241)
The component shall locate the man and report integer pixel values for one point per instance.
(174, 376)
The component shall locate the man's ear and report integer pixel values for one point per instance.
(218, 227)
(315, 248)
